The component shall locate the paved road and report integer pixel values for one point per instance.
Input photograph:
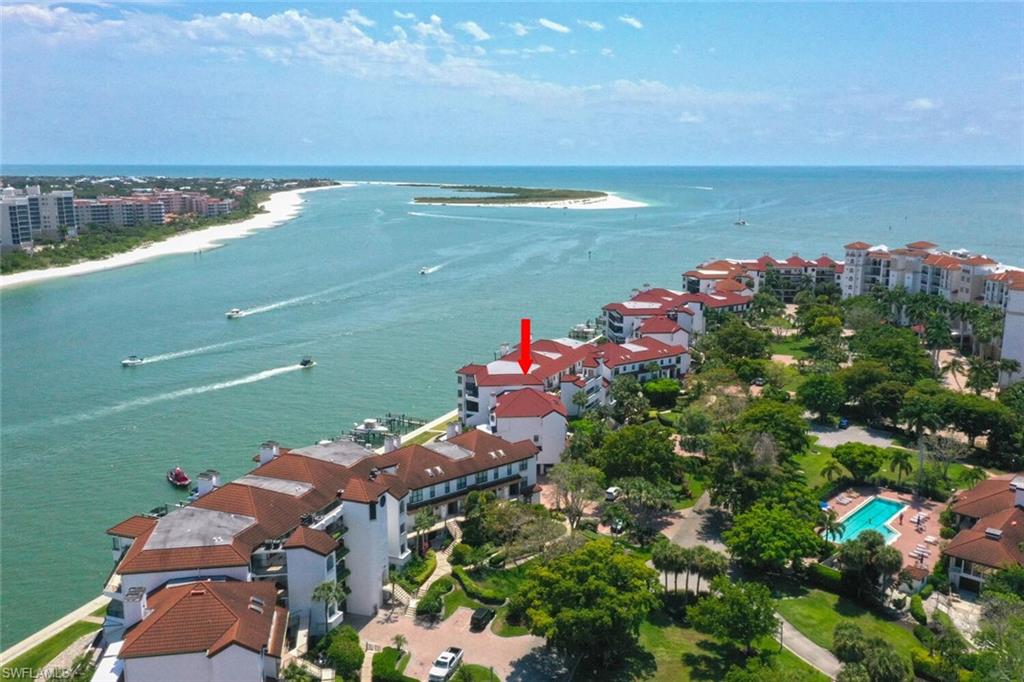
(701, 524)
(831, 437)
(820, 657)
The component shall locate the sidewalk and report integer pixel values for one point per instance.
(812, 654)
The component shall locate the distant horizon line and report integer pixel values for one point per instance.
(4, 165)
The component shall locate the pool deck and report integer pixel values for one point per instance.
(910, 536)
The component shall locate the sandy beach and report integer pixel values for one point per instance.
(611, 201)
(280, 207)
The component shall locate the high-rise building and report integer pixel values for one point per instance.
(31, 215)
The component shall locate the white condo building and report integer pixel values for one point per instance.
(332, 512)
(30, 215)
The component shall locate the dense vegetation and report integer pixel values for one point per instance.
(507, 195)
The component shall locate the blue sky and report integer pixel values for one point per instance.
(496, 83)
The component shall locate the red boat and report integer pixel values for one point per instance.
(177, 477)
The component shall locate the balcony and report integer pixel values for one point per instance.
(269, 565)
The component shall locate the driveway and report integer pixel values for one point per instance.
(512, 658)
(831, 437)
(701, 524)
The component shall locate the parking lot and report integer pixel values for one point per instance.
(511, 658)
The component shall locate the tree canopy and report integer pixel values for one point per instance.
(770, 538)
(740, 613)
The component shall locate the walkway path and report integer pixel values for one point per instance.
(817, 656)
(701, 524)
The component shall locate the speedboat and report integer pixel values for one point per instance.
(234, 312)
(131, 361)
(741, 221)
(178, 478)
(306, 362)
(424, 271)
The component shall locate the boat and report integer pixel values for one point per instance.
(234, 312)
(306, 362)
(741, 221)
(178, 478)
(131, 361)
(424, 271)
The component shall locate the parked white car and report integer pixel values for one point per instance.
(612, 493)
(445, 664)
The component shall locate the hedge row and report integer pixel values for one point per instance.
(481, 594)
(917, 610)
(429, 565)
(926, 591)
(826, 578)
(430, 604)
(928, 666)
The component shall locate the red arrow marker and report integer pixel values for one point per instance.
(525, 360)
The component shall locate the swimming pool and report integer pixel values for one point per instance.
(871, 516)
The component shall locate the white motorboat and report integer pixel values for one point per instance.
(131, 361)
(424, 271)
(307, 362)
(234, 312)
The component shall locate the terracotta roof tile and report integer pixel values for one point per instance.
(133, 526)
(859, 246)
(976, 545)
(527, 402)
(314, 540)
(988, 497)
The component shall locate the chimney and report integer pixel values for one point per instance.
(452, 430)
(134, 606)
(505, 349)
(392, 442)
(204, 483)
(269, 451)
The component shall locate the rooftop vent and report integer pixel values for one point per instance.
(374, 472)
(430, 472)
(257, 601)
(439, 471)
(993, 533)
(197, 591)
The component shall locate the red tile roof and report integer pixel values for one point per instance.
(979, 260)
(527, 402)
(921, 245)
(133, 526)
(549, 358)
(1014, 279)
(988, 497)
(314, 540)
(943, 261)
(859, 246)
(976, 545)
(208, 617)
(726, 285)
(642, 350)
(659, 325)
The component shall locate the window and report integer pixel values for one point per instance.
(373, 512)
(523, 465)
(494, 476)
(432, 492)
(508, 469)
(383, 500)
(536, 438)
(330, 563)
(481, 477)
(447, 487)
(461, 483)
(401, 507)
(417, 496)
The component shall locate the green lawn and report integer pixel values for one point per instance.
(479, 673)
(501, 627)
(814, 459)
(671, 653)
(424, 437)
(816, 613)
(47, 650)
(794, 346)
(696, 486)
(456, 598)
(504, 581)
(101, 611)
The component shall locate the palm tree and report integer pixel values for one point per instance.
(900, 463)
(972, 476)
(400, 641)
(888, 562)
(963, 313)
(329, 592)
(661, 558)
(831, 525)
(708, 564)
(1009, 366)
(954, 367)
(687, 557)
(422, 522)
(832, 469)
(981, 374)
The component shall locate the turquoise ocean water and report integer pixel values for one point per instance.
(86, 443)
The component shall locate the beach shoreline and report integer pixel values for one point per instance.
(610, 201)
(279, 209)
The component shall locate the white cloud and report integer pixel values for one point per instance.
(545, 49)
(921, 104)
(355, 17)
(554, 26)
(408, 16)
(592, 25)
(631, 21)
(433, 30)
(473, 29)
(608, 52)
(691, 117)
(519, 29)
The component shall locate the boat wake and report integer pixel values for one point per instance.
(163, 357)
(703, 188)
(153, 399)
(432, 269)
(281, 304)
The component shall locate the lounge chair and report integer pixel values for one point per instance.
(843, 499)
(931, 539)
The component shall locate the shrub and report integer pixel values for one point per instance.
(428, 569)
(826, 578)
(429, 607)
(917, 610)
(475, 591)
(848, 643)
(899, 602)
(947, 533)
(461, 554)
(588, 523)
(344, 652)
(924, 635)
(385, 666)
(926, 591)
(928, 666)
(496, 561)
(440, 588)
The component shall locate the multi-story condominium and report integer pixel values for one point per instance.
(536, 416)
(991, 521)
(30, 215)
(792, 274)
(292, 521)
(715, 290)
(119, 211)
(180, 203)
